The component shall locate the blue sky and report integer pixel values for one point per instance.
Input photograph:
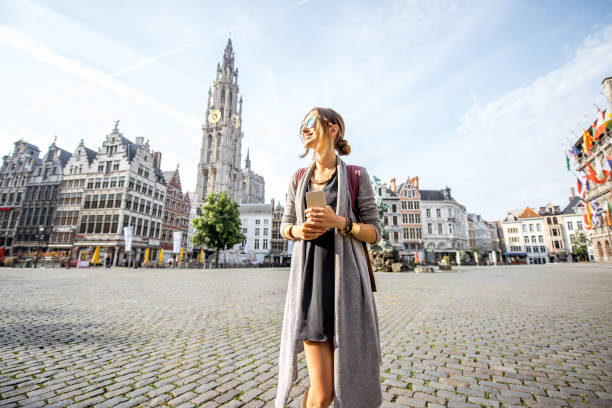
(479, 96)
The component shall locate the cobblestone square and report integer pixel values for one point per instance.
(536, 335)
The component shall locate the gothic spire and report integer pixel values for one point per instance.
(247, 163)
(228, 57)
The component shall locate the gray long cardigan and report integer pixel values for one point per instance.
(357, 354)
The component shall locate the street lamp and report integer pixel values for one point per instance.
(40, 237)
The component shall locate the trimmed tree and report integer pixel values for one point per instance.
(579, 246)
(219, 225)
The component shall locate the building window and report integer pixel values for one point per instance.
(429, 230)
(439, 228)
(265, 244)
(428, 213)
(256, 244)
(450, 228)
(265, 232)
(256, 231)
(438, 213)
(538, 227)
(570, 225)
(257, 221)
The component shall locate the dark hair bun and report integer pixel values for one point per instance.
(343, 147)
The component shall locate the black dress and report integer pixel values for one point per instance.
(317, 309)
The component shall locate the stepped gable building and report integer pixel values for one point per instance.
(16, 170)
(410, 209)
(124, 187)
(40, 199)
(29, 191)
(219, 168)
(70, 198)
(176, 212)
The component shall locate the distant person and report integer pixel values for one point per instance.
(321, 236)
(108, 262)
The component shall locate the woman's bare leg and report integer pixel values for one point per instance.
(320, 362)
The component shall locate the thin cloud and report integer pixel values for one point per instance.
(20, 41)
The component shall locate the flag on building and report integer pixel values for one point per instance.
(161, 256)
(606, 168)
(587, 141)
(608, 211)
(579, 185)
(592, 174)
(567, 160)
(147, 255)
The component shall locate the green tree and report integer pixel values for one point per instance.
(219, 225)
(579, 246)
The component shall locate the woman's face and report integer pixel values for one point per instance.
(309, 135)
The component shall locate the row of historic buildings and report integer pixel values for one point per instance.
(74, 202)
(426, 225)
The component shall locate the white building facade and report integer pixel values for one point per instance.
(444, 225)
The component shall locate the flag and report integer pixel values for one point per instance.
(599, 127)
(606, 168)
(592, 174)
(608, 210)
(181, 256)
(96, 256)
(609, 160)
(579, 184)
(575, 151)
(599, 169)
(567, 162)
(587, 141)
(202, 256)
(587, 216)
(161, 256)
(147, 255)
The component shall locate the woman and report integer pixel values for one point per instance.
(330, 312)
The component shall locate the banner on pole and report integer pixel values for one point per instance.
(128, 233)
(176, 237)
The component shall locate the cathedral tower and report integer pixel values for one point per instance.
(220, 156)
(219, 168)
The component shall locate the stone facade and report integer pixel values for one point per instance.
(177, 209)
(523, 232)
(124, 187)
(40, 200)
(70, 199)
(601, 232)
(14, 174)
(444, 225)
(219, 168)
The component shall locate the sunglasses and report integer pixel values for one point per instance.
(309, 124)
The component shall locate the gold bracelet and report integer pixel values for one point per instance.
(355, 230)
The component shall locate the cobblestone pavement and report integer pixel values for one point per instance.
(536, 335)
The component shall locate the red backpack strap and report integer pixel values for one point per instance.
(354, 175)
(299, 175)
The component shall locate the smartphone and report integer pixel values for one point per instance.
(315, 199)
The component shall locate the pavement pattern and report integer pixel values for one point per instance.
(533, 335)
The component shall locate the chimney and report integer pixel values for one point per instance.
(272, 202)
(415, 182)
(139, 140)
(573, 193)
(393, 186)
(157, 160)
